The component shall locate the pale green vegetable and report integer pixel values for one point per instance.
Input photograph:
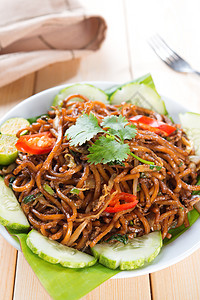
(13, 125)
(57, 253)
(191, 125)
(141, 95)
(130, 256)
(89, 91)
(11, 214)
(8, 151)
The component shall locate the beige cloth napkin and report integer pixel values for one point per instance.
(34, 34)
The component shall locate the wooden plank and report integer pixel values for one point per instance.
(150, 17)
(10, 95)
(27, 286)
(56, 74)
(8, 256)
(129, 288)
(180, 282)
(110, 63)
(144, 20)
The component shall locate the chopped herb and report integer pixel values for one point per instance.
(181, 164)
(143, 175)
(138, 187)
(72, 152)
(119, 237)
(30, 198)
(142, 160)
(48, 189)
(75, 191)
(158, 168)
(116, 162)
(34, 119)
(131, 223)
(11, 180)
(181, 208)
(168, 139)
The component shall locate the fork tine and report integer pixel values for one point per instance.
(166, 47)
(160, 54)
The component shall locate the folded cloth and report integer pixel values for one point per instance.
(34, 34)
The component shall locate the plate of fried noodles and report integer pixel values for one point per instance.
(82, 187)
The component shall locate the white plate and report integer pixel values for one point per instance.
(170, 254)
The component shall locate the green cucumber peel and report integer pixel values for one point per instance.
(89, 91)
(141, 92)
(11, 214)
(132, 255)
(145, 79)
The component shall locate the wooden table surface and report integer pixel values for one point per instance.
(124, 55)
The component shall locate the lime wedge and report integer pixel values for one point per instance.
(12, 126)
(8, 151)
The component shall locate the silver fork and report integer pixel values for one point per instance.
(169, 56)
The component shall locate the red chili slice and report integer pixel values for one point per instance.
(151, 124)
(115, 205)
(39, 143)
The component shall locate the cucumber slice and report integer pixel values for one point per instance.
(8, 151)
(12, 126)
(57, 253)
(140, 95)
(11, 214)
(191, 125)
(130, 256)
(87, 90)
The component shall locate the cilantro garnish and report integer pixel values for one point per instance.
(85, 129)
(119, 127)
(106, 149)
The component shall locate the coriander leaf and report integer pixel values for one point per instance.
(119, 126)
(114, 122)
(106, 150)
(85, 129)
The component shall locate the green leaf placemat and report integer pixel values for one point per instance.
(65, 283)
